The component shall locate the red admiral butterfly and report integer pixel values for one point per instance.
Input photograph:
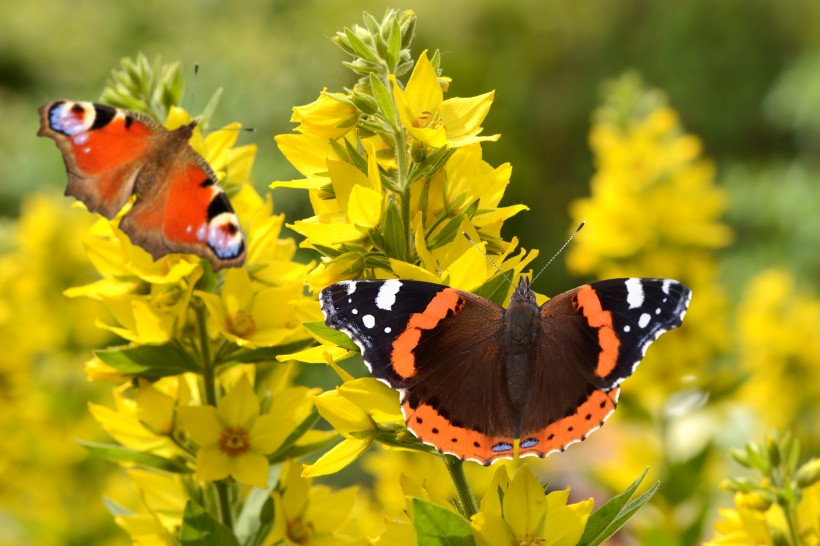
(474, 377)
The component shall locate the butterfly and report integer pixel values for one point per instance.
(475, 377)
(112, 154)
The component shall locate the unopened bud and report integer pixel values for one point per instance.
(808, 474)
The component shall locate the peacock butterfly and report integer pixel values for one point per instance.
(111, 154)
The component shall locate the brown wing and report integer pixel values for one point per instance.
(441, 348)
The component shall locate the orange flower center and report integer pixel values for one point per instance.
(242, 324)
(234, 441)
(299, 531)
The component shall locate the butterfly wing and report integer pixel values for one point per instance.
(189, 212)
(441, 348)
(592, 338)
(111, 154)
(103, 149)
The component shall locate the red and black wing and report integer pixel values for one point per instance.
(591, 339)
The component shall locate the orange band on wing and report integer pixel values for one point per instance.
(402, 357)
(573, 428)
(433, 429)
(588, 302)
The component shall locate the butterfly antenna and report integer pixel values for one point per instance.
(487, 257)
(194, 86)
(574, 233)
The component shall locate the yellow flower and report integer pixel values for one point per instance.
(358, 410)
(526, 515)
(330, 116)
(163, 498)
(780, 349)
(234, 438)
(748, 525)
(311, 515)
(434, 121)
(243, 311)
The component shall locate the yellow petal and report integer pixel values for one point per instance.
(375, 397)
(423, 89)
(202, 423)
(315, 355)
(250, 468)
(270, 430)
(343, 415)
(341, 455)
(565, 524)
(405, 270)
(464, 116)
(525, 507)
(155, 408)
(211, 464)
(491, 530)
(344, 178)
(327, 229)
(239, 408)
(364, 207)
(308, 153)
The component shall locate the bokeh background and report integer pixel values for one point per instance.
(742, 75)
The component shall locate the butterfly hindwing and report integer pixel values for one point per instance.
(111, 154)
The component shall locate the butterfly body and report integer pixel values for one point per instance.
(112, 154)
(475, 377)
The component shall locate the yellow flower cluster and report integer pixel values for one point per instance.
(780, 351)
(655, 212)
(394, 204)
(45, 338)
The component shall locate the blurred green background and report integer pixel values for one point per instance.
(744, 76)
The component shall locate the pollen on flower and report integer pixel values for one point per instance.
(234, 441)
(241, 324)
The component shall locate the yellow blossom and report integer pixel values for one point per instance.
(330, 116)
(234, 438)
(526, 515)
(311, 515)
(242, 311)
(434, 121)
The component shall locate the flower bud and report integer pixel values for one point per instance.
(808, 474)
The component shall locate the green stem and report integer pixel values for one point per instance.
(455, 467)
(403, 174)
(209, 379)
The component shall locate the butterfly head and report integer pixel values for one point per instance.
(523, 294)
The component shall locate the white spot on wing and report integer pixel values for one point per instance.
(627, 328)
(634, 295)
(666, 284)
(369, 321)
(388, 330)
(387, 294)
(355, 311)
(351, 287)
(644, 320)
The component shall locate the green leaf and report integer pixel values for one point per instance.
(394, 46)
(264, 354)
(121, 454)
(360, 48)
(322, 330)
(438, 526)
(199, 528)
(605, 521)
(394, 240)
(149, 361)
(383, 99)
(447, 233)
(495, 289)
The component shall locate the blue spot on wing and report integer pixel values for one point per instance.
(529, 442)
(502, 446)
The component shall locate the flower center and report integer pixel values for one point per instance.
(234, 441)
(299, 531)
(242, 324)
